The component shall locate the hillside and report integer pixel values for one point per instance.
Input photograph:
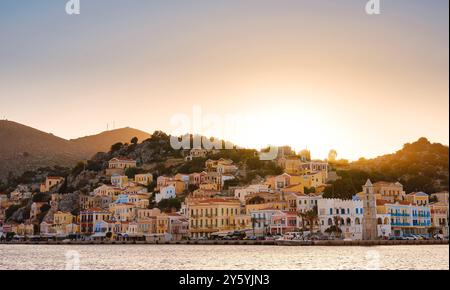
(103, 141)
(24, 148)
(419, 166)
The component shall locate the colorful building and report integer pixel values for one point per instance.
(90, 217)
(347, 215)
(207, 216)
(439, 217)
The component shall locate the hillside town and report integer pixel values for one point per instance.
(143, 206)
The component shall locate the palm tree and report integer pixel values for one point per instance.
(337, 228)
(311, 216)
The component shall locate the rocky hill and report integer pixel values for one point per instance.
(23, 148)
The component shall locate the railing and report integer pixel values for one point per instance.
(400, 224)
(400, 214)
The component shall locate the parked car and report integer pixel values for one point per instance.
(438, 237)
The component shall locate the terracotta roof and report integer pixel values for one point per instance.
(420, 193)
(96, 209)
(385, 183)
(382, 202)
(123, 159)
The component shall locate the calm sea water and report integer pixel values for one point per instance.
(188, 257)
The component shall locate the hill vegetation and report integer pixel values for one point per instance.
(419, 166)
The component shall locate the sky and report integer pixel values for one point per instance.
(316, 74)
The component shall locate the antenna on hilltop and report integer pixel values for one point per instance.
(114, 125)
(107, 126)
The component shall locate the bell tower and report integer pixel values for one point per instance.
(370, 231)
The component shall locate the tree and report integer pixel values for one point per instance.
(151, 186)
(311, 217)
(3, 186)
(93, 165)
(11, 210)
(309, 190)
(169, 205)
(134, 140)
(78, 168)
(332, 155)
(45, 207)
(116, 147)
(41, 197)
(335, 228)
(229, 183)
(132, 171)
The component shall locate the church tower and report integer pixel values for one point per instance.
(370, 231)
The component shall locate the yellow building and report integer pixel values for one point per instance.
(390, 191)
(118, 165)
(164, 181)
(279, 205)
(179, 185)
(263, 200)
(291, 165)
(207, 216)
(209, 186)
(122, 211)
(419, 198)
(143, 179)
(212, 165)
(63, 218)
(109, 191)
(25, 229)
(439, 217)
(241, 222)
(121, 163)
(50, 182)
(162, 223)
(314, 179)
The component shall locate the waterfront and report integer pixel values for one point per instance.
(218, 257)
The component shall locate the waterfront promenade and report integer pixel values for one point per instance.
(239, 242)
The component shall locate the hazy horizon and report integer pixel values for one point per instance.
(311, 74)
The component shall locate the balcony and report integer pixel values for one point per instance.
(400, 224)
(398, 214)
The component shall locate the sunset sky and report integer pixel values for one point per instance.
(320, 74)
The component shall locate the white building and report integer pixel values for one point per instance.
(119, 180)
(384, 225)
(306, 202)
(348, 214)
(261, 220)
(242, 192)
(166, 192)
